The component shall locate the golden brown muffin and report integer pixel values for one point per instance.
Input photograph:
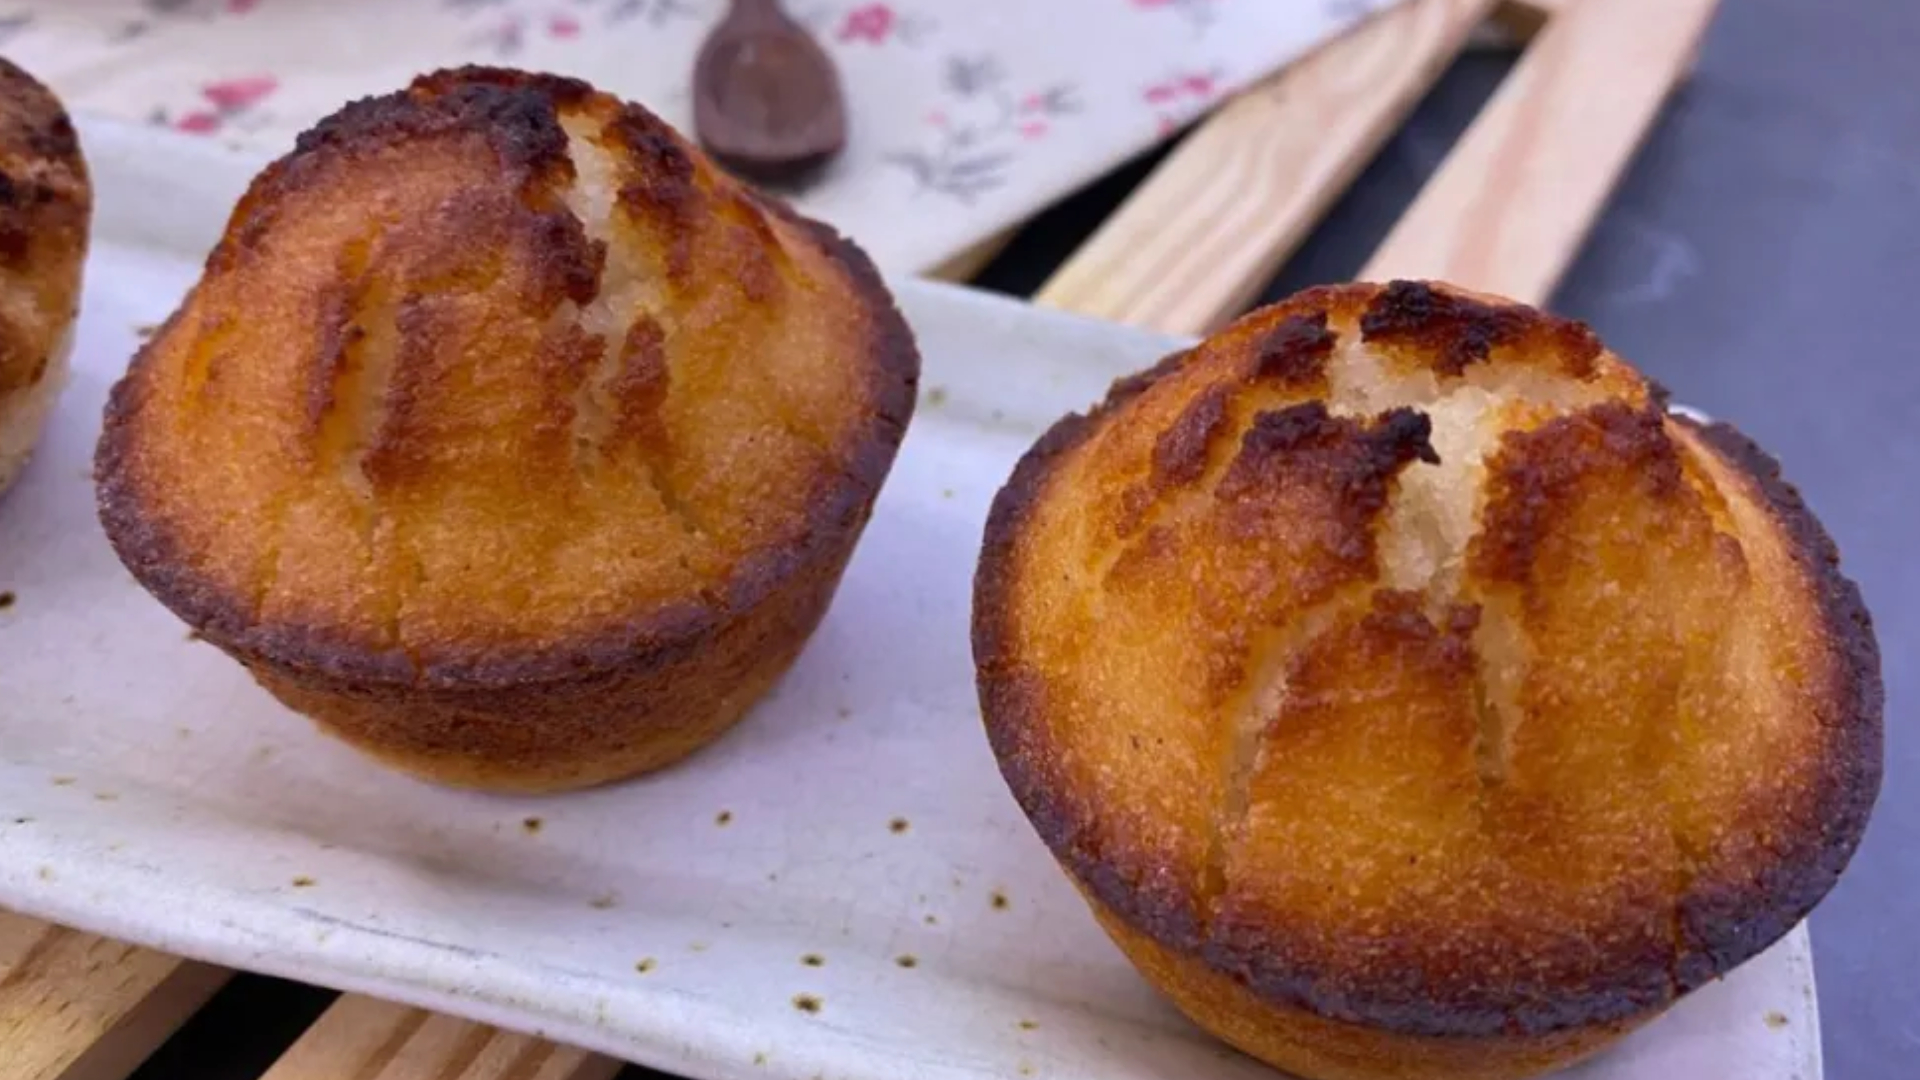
(1411, 696)
(46, 211)
(506, 437)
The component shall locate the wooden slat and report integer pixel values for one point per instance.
(78, 1007)
(965, 265)
(1200, 237)
(363, 1039)
(1525, 18)
(1514, 200)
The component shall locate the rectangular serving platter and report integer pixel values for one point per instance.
(842, 888)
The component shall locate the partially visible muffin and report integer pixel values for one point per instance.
(1412, 696)
(506, 437)
(46, 212)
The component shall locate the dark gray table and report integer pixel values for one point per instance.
(1758, 261)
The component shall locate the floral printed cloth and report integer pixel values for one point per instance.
(967, 116)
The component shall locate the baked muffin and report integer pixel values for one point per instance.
(507, 438)
(1411, 695)
(46, 212)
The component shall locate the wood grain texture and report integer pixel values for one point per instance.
(1200, 237)
(78, 1007)
(1514, 200)
(363, 1039)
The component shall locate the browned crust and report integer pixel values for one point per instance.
(1537, 472)
(516, 114)
(669, 699)
(46, 204)
(1461, 329)
(1295, 352)
(1723, 923)
(1309, 1044)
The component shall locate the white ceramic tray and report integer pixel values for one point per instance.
(150, 792)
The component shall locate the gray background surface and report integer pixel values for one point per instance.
(1760, 260)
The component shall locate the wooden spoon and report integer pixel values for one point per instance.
(766, 97)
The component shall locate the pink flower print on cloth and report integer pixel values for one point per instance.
(227, 103)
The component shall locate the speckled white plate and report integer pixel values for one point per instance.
(841, 888)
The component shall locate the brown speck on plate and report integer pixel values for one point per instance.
(106, 796)
(23, 821)
(46, 873)
(898, 825)
(846, 713)
(1777, 1020)
(946, 493)
(644, 965)
(814, 960)
(807, 1003)
(1029, 1025)
(7, 600)
(698, 946)
(931, 921)
(604, 901)
(760, 1058)
(532, 825)
(907, 960)
(65, 781)
(937, 396)
(1026, 1069)
(145, 330)
(304, 882)
(1000, 901)
(723, 818)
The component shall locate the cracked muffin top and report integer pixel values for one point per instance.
(1397, 653)
(491, 377)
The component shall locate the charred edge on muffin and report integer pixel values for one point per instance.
(1180, 454)
(1128, 387)
(518, 115)
(1459, 331)
(1295, 352)
(514, 111)
(1727, 925)
(1395, 438)
(1538, 472)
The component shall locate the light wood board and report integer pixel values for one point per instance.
(363, 1039)
(1200, 237)
(1515, 199)
(78, 1007)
